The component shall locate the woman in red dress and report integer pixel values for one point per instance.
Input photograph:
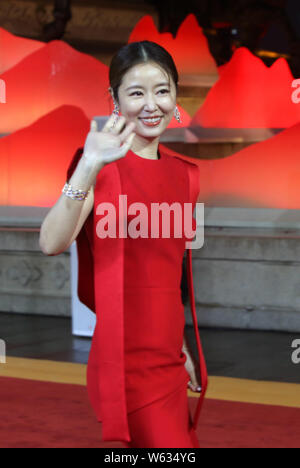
(138, 371)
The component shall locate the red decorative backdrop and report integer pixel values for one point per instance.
(52, 92)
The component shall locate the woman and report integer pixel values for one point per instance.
(137, 372)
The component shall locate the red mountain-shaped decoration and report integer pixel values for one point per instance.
(249, 94)
(36, 157)
(13, 49)
(263, 175)
(189, 49)
(34, 160)
(53, 76)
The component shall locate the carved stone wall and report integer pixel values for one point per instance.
(248, 279)
(244, 277)
(31, 282)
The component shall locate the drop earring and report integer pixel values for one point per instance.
(177, 115)
(116, 110)
(115, 114)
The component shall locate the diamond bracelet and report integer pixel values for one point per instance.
(74, 194)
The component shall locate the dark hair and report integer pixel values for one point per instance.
(139, 52)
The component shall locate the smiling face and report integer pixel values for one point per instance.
(147, 96)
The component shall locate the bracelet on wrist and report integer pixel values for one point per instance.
(75, 194)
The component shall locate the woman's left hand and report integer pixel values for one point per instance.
(192, 368)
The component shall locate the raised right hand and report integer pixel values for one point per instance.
(108, 145)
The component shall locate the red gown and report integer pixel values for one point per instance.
(136, 364)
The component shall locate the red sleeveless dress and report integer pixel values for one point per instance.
(136, 357)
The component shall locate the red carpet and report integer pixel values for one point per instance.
(51, 415)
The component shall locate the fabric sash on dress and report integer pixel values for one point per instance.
(109, 284)
(194, 191)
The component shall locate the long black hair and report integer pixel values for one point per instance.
(139, 52)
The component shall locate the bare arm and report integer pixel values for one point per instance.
(192, 367)
(66, 218)
(184, 347)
